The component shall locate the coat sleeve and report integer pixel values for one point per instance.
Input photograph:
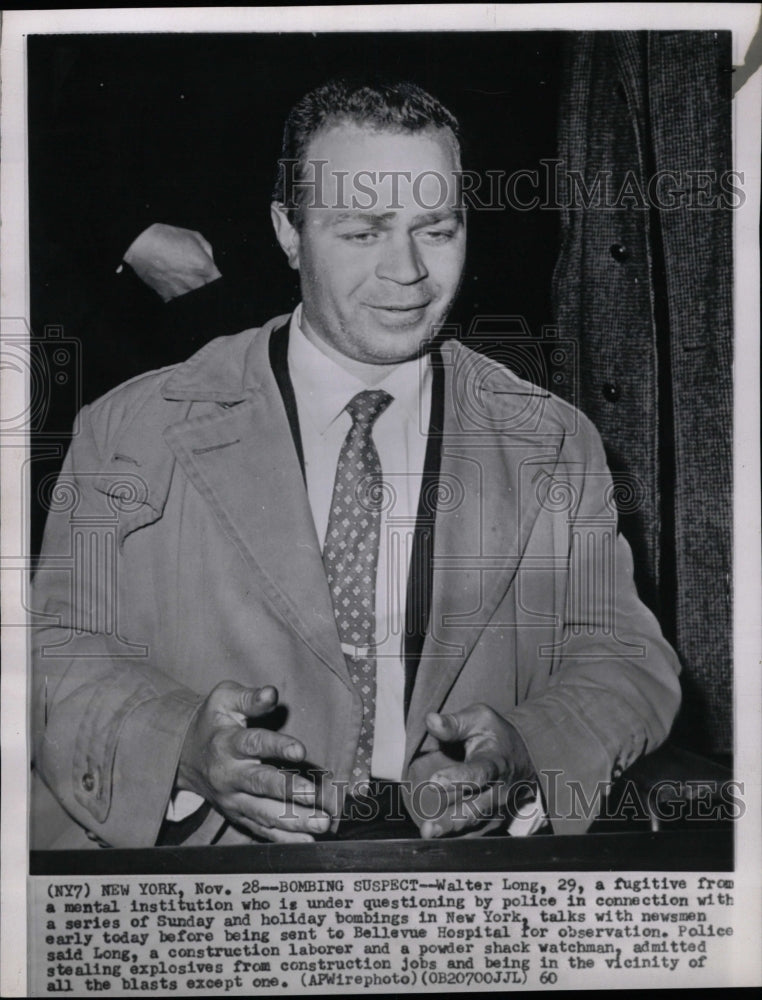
(614, 692)
(108, 724)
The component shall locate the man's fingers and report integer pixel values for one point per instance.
(255, 702)
(270, 814)
(171, 260)
(262, 779)
(464, 814)
(274, 834)
(205, 245)
(246, 702)
(457, 726)
(444, 727)
(464, 780)
(266, 745)
(483, 732)
(286, 836)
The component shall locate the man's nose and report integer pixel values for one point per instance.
(401, 261)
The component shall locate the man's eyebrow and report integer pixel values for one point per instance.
(374, 218)
(431, 218)
(378, 218)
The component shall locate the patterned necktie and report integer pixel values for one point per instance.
(350, 556)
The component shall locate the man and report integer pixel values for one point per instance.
(333, 556)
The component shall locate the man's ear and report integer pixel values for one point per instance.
(286, 233)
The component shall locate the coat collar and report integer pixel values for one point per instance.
(137, 471)
(226, 370)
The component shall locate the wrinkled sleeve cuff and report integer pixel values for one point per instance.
(142, 778)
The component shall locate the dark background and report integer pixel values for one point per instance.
(127, 130)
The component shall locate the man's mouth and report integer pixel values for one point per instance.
(396, 316)
(400, 317)
(396, 308)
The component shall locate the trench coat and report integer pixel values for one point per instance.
(180, 551)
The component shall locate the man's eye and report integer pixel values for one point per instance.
(438, 235)
(369, 236)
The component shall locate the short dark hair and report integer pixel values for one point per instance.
(383, 105)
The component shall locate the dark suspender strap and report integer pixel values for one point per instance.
(279, 364)
(421, 575)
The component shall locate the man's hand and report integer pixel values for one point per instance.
(224, 761)
(476, 789)
(171, 260)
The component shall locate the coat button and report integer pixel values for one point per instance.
(619, 252)
(610, 392)
(88, 782)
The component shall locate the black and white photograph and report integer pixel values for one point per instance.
(381, 445)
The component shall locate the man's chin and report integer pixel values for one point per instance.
(395, 350)
(393, 345)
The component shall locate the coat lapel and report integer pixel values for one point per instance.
(496, 469)
(243, 461)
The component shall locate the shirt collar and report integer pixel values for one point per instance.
(324, 388)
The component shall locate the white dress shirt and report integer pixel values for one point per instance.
(323, 387)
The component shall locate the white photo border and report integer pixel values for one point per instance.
(742, 19)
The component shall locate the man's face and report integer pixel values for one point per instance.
(381, 263)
